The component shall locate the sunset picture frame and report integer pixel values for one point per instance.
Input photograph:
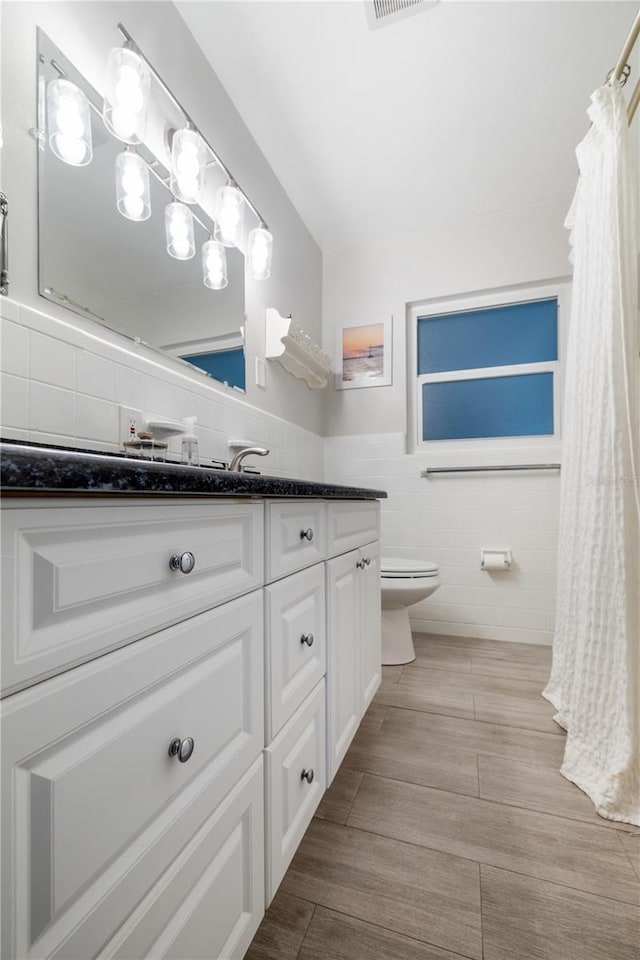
(363, 354)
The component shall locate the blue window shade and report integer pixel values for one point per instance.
(515, 406)
(518, 333)
(227, 366)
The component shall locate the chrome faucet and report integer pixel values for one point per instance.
(236, 463)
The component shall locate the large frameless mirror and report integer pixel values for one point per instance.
(102, 253)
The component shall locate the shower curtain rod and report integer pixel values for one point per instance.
(625, 53)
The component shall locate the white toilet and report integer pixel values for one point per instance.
(404, 582)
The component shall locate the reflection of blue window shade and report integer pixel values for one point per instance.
(514, 406)
(517, 333)
(227, 366)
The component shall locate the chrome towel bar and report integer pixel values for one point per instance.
(512, 466)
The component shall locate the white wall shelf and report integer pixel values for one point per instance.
(293, 348)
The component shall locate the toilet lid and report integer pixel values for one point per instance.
(396, 567)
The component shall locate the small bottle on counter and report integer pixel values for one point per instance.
(190, 455)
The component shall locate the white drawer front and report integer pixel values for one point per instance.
(82, 580)
(296, 643)
(88, 782)
(350, 524)
(211, 900)
(295, 536)
(291, 799)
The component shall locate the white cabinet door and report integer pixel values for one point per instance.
(210, 901)
(370, 616)
(296, 649)
(94, 807)
(296, 780)
(344, 697)
(296, 536)
(80, 580)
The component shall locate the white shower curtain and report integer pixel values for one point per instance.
(595, 677)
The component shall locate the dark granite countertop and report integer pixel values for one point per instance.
(34, 469)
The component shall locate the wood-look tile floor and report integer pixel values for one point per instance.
(449, 833)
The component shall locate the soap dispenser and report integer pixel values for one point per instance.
(190, 455)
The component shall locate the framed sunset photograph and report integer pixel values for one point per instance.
(364, 355)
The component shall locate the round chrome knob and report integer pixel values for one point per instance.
(184, 562)
(367, 561)
(307, 638)
(360, 564)
(306, 534)
(182, 749)
(307, 775)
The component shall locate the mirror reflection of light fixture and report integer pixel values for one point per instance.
(259, 249)
(126, 95)
(229, 216)
(178, 221)
(214, 265)
(188, 159)
(132, 186)
(69, 123)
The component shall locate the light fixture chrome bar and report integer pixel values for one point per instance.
(4, 245)
(127, 36)
(512, 466)
(164, 181)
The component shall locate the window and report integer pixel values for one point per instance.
(487, 370)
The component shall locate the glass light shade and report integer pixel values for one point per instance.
(132, 186)
(188, 159)
(69, 123)
(229, 216)
(178, 224)
(214, 265)
(259, 250)
(126, 95)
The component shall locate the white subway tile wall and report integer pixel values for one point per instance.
(449, 519)
(63, 385)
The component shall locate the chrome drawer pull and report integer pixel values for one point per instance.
(360, 564)
(184, 562)
(367, 561)
(306, 534)
(307, 775)
(307, 638)
(182, 749)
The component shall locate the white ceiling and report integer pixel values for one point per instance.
(464, 109)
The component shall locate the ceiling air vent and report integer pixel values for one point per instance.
(382, 12)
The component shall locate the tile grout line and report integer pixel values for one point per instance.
(494, 723)
(380, 926)
(635, 869)
(306, 929)
(493, 866)
(489, 723)
(498, 803)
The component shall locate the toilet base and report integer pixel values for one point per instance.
(397, 642)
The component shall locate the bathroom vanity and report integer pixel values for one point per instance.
(184, 664)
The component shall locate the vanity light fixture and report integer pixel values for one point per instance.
(188, 165)
(132, 186)
(259, 249)
(214, 265)
(178, 221)
(229, 215)
(69, 123)
(126, 95)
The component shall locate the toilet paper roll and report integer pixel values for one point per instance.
(495, 559)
